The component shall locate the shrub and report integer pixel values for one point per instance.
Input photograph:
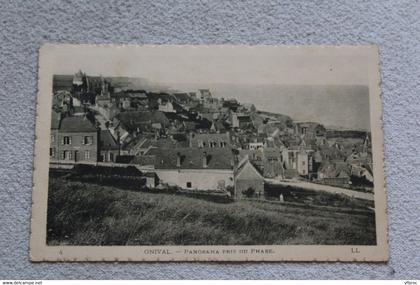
(250, 192)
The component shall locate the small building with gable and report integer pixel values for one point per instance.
(248, 181)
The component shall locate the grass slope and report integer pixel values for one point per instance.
(88, 214)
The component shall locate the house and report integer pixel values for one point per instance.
(119, 131)
(103, 101)
(268, 161)
(108, 111)
(166, 107)
(241, 121)
(143, 161)
(362, 172)
(218, 126)
(255, 145)
(249, 107)
(131, 99)
(138, 98)
(62, 100)
(141, 121)
(139, 146)
(335, 173)
(108, 146)
(205, 95)
(248, 181)
(189, 126)
(231, 104)
(314, 133)
(297, 160)
(194, 168)
(209, 140)
(182, 98)
(209, 115)
(157, 98)
(124, 101)
(73, 139)
(54, 139)
(359, 158)
(273, 162)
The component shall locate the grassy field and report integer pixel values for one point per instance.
(88, 214)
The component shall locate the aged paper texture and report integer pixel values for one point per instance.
(209, 153)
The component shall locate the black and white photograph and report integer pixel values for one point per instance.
(210, 147)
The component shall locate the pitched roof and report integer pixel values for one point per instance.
(244, 118)
(124, 158)
(271, 152)
(108, 142)
(181, 96)
(135, 119)
(335, 169)
(144, 160)
(83, 169)
(247, 171)
(76, 124)
(192, 158)
(205, 137)
(159, 95)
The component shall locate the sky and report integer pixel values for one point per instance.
(342, 106)
(309, 84)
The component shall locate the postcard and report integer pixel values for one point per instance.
(209, 153)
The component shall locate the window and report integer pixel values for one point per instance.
(111, 157)
(52, 152)
(69, 155)
(87, 154)
(66, 154)
(303, 163)
(66, 140)
(189, 184)
(52, 138)
(87, 140)
(304, 130)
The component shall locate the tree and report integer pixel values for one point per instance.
(249, 192)
(231, 190)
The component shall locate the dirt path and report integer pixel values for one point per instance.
(325, 188)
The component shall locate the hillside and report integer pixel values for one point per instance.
(87, 214)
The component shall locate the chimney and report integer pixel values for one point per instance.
(178, 159)
(205, 159)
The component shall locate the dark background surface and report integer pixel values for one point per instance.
(393, 25)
